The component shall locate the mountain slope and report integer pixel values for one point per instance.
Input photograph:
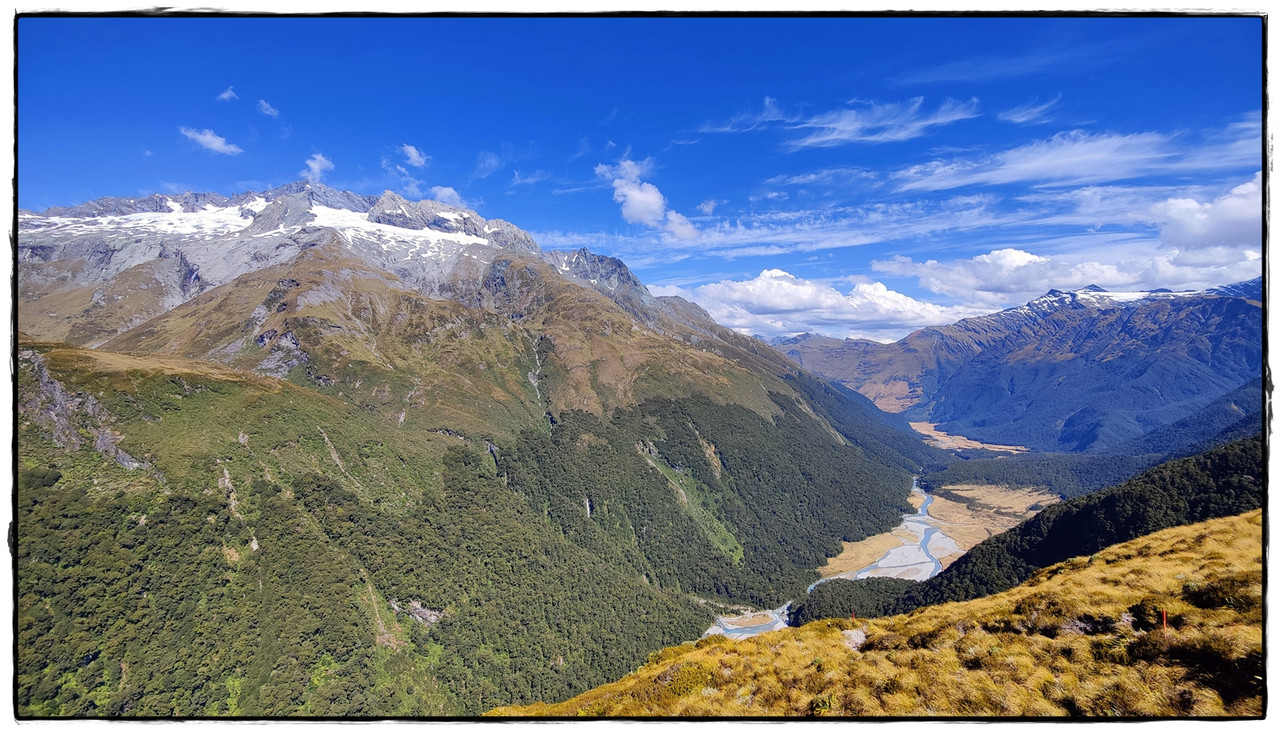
(277, 539)
(508, 473)
(1080, 638)
(1069, 371)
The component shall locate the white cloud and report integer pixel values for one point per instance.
(207, 139)
(317, 166)
(771, 113)
(779, 303)
(866, 121)
(876, 122)
(708, 207)
(1028, 113)
(537, 176)
(267, 109)
(411, 185)
(1067, 158)
(841, 176)
(681, 227)
(1082, 158)
(789, 231)
(414, 156)
(449, 196)
(642, 202)
(1233, 219)
(1008, 277)
(227, 95)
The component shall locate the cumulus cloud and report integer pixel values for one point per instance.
(228, 95)
(267, 109)
(779, 303)
(1032, 113)
(414, 156)
(642, 202)
(207, 139)
(681, 227)
(1233, 219)
(1010, 276)
(449, 196)
(317, 166)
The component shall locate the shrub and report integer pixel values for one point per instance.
(1242, 592)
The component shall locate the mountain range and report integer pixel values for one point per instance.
(1084, 370)
(315, 442)
(307, 452)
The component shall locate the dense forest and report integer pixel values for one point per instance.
(1224, 481)
(276, 551)
(757, 504)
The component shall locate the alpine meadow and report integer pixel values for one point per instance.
(445, 366)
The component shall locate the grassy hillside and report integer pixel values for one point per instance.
(1086, 637)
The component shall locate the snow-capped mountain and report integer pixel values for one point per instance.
(220, 238)
(178, 246)
(1068, 371)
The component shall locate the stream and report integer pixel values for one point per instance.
(916, 559)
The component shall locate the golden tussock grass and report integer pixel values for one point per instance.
(1083, 638)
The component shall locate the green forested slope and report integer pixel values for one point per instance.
(181, 588)
(275, 550)
(707, 498)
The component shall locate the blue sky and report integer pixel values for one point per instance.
(860, 177)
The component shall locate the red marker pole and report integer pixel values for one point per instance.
(1164, 620)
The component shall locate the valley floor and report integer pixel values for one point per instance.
(944, 440)
(943, 529)
(965, 515)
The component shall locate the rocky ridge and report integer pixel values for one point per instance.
(1069, 371)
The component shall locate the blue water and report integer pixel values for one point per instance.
(916, 519)
(927, 531)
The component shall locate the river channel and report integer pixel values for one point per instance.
(923, 541)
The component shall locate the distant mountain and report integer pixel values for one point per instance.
(307, 452)
(1251, 290)
(1068, 371)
